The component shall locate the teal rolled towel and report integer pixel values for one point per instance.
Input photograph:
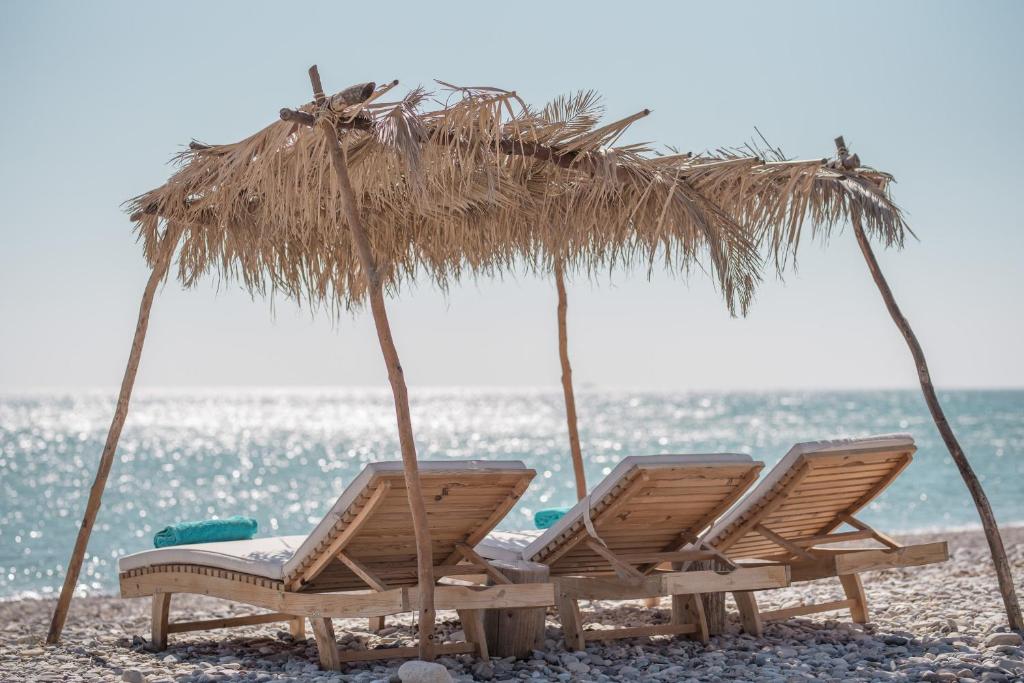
(235, 528)
(543, 519)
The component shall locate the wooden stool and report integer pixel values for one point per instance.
(515, 632)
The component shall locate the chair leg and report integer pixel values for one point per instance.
(689, 609)
(473, 626)
(297, 627)
(572, 622)
(326, 644)
(161, 611)
(750, 615)
(377, 623)
(854, 590)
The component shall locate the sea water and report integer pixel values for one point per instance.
(283, 456)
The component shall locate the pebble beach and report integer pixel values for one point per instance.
(935, 623)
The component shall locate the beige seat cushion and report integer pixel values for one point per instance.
(264, 557)
(507, 545)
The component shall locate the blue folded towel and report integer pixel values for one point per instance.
(543, 519)
(235, 528)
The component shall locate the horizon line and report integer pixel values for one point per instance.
(583, 387)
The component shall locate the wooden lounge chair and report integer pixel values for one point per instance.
(799, 508)
(359, 561)
(645, 512)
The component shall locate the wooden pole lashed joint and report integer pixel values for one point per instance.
(318, 86)
(844, 160)
(297, 116)
(92, 506)
(335, 104)
(1004, 575)
(375, 292)
(351, 95)
(567, 388)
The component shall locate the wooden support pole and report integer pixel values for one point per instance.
(988, 518)
(297, 628)
(375, 292)
(567, 390)
(160, 608)
(854, 590)
(326, 643)
(713, 603)
(473, 626)
(60, 612)
(750, 614)
(689, 609)
(572, 620)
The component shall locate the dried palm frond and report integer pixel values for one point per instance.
(480, 183)
(774, 197)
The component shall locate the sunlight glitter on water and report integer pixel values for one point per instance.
(283, 456)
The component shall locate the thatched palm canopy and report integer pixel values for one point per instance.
(480, 181)
(774, 199)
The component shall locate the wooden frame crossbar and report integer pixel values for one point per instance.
(227, 622)
(806, 549)
(685, 589)
(639, 631)
(802, 610)
(884, 539)
(480, 563)
(624, 570)
(325, 556)
(794, 549)
(405, 652)
(835, 537)
(363, 572)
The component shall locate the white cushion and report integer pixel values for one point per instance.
(764, 487)
(507, 545)
(259, 556)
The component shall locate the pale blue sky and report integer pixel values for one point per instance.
(98, 96)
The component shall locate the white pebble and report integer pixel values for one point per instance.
(423, 672)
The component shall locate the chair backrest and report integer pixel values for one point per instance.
(809, 491)
(647, 504)
(371, 522)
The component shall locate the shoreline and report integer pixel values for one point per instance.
(939, 622)
(930, 533)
